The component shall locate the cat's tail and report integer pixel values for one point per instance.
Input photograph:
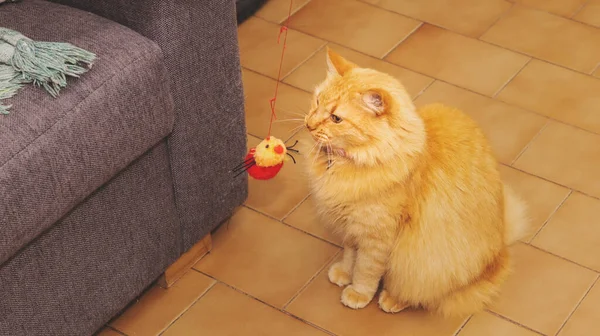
(516, 220)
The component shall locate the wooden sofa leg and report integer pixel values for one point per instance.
(185, 262)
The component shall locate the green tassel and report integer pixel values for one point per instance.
(45, 64)
(9, 85)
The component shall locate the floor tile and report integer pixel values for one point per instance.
(264, 258)
(466, 17)
(278, 196)
(354, 24)
(490, 325)
(108, 332)
(159, 307)
(305, 219)
(590, 13)
(320, 304)
(585, 320)
(292, 105)
(543, 290)
(457, 59)
(313, 71)
(573, 231)
(565, 155)
(277, 10)
(224, 311)
(259, 50)
(556, 92)
(542, 197)
(508, 128)
(548, 37)
(564, 8)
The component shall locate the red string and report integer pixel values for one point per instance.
(273, 101)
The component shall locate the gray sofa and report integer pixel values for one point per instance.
(104, 187)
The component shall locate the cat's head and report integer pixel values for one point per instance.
(363, 114)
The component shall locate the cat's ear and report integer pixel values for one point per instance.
(376, 101)
(336, 64)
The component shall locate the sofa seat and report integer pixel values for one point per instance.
(56, 152)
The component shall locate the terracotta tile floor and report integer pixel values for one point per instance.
(526, 70)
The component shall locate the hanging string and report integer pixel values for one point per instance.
(273, 101)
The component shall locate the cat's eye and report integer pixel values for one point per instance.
(336, 119)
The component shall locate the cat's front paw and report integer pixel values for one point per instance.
(354, 299)
(389, 304)
(338, 275)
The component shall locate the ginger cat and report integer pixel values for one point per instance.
(415, 195)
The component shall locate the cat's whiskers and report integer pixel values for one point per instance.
(318, 151)
(313, 148)
(288, 120)
(293, 130)
(293, 113)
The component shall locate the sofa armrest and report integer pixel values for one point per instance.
(199, 44)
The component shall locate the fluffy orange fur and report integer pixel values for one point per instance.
(415, 194)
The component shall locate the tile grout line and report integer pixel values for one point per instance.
(500, 316)
(325, 42)
(290, 226)
(538, 59)
(347, 47)
(563, 258)
(478, 39)
(295, 208)
(413, 18)
(550, 217)
(295, 11)
(500, 17)
(595, 69)
(587, 2)
(463, 325)
(190, 306)
(395, 46)
(554, 182)
(312, 235)
(291, 300)
(511, 78)
(513, 4)
(529, 144)
(217, 281)
(578, 304)
(420, 93)
(304, 61)
(490, 43)
(115, 330)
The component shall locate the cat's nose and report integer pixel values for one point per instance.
(309, 127)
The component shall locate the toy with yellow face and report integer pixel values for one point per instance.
(264, 161)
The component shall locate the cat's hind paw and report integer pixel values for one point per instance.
(389, 304)
(353, 299)
(339, 276)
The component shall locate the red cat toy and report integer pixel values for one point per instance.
(264, 161)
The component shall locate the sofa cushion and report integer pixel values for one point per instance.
(55, 152)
